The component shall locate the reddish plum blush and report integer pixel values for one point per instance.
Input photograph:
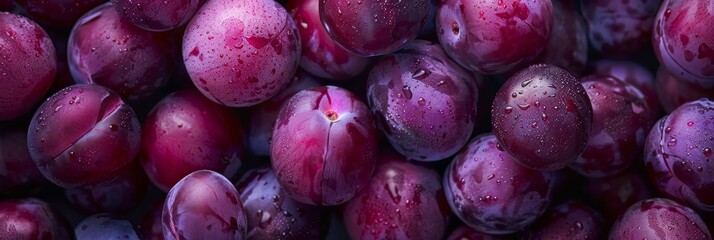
(534, 108)
(31, 219)
(619, 28)
(673, 92)
(59, 13)
(241, 53)
(114, 196)
(659, 218)
(105, 226)
(18, 173)
(493, 36)
(568, 42)
(570, 220)
(324, 146)
(466, 233)
(631, 73)
(157, 15)
(401, 201)
(27, 65)
(83, 134)
(613, 195)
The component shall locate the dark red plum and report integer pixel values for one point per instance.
(466, 233)
(272, 214)
(105, 226)
(621, 121)
(619, 28)
(321, 55)
(84, 134)
(567, 45)
(534, 108)
(151, 228)
(114, 196)
(186, 132)
(425, 103)
(673, 92)
(241, 53)
(631, 73)
(204, 205)
(494, 36)
(487, 189)
(570, 220)
(373, 27)
(31, 219)
(682, 40)
(156, 15)
(324, 146)
(27, 65)
(614, 194)
(18, 173)
(659, 218)
(401, 201)
(105, 49)
(58, 13)
(678, 154)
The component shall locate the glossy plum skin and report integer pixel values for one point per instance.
(203, 205)
(631, 73)
(568, 42)
(273, 215)
(31, 219)
(682, 40)
(151, 228)
(570, 220)
(321, 55)
(156, 15)
(324, 146)
(466, 233)
(659, 218)
(487, 189)
(678, 151)
(673, 92)
(84, 134)
(18, 173)
(493, 36)
(373, 27)
(105, 49)
(621, 121)
(105, 226)
(27, 65)
(114, 196)
(58, 13)
(532, 110)
(186, 132)
(614, 194)
(425, 103)
(241, 53)
(619, 28)
(401, 201)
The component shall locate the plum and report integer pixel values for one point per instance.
(568, 42)
(31, 219)
(156, 15)
(395, 23)
(105, 226)
(241, 53)
(57, 13)
(84, 134)
(150, 227)
(614, 194)
(273, 215)
(186, 132)
(493, 36)
(18, 174)
(631, 73)
(27, 65)
(425, 103)
(534, 108)
(491, 192)
(203, 205)
(619, 28)
(324, 146)
(105, 49)
(466, 233)
(673, 92)
(114, 196)
(659, 218)
(569, 220)
(401, 201)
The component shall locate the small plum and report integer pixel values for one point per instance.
(105, 226)
(614, 194)
(619, 28)
(18, 173)
(31, 219)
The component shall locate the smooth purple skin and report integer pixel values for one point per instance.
(18, 174)
(659, 218)
(57, 13)
(373, 27)
(487, 189)
(678, 154)
(682, 40)
(425, 104)
(105, 226)
(157, 15)
(186, 132)
(150, 227)
(567, 45)
(204, 205)
(621, 122)
(27, 65)
(631, 73)
(466, 233)
(613, 195)
(570, 220)
(105, 49)
(273, 215)
(401, 201)
(321, 55)
(118, 195)
(619, 28)
(534, 108)
(673, 92)
(31, 219)
(241, 53)
(84, 134)
(264, 115)
(324, 146)
(494, 36)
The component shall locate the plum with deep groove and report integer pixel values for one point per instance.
(105, 226)
(324, 146)
(84, 134)
(570, 220)
(425, 103)
(613, 195)
(241, 53)
(58, 13)
(673, 92)
(631, 73)
(157, 15)
(619, 28)
(18, 174)
(114, 196)
(466, 233)
(659, 218)
(568, 42)
(494, 36)
(534, 108)
(401, 201)
(31, 219)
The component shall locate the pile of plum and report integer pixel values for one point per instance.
(356, 119)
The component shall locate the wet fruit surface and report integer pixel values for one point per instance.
(157, 15)
(105, 226)
(659, 218)
(31, 219)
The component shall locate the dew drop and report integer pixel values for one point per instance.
(524, 106)
(526, 82)
(508, 109)
(421, 101)
(672, 142)
(113, 127)
(407, 92)
(690, 123)
(707, 152)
